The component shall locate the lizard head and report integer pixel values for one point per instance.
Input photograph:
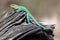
(14, 6)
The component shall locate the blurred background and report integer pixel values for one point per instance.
(46, 10)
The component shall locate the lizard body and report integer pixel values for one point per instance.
(28, 14)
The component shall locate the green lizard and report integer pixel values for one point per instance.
(28, 14)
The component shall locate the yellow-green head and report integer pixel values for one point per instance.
(14, 6)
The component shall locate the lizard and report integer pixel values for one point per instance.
(19, 8)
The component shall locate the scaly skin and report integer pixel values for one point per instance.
(28, 14)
